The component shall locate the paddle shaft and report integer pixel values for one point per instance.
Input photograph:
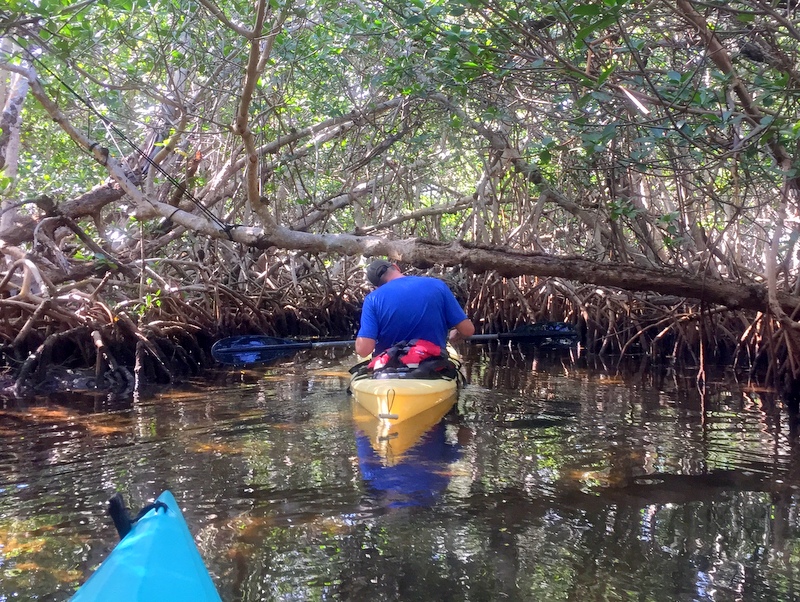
(536, 334)
(288, 346)
(259, 349)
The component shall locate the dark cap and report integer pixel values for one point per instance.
(376, 270)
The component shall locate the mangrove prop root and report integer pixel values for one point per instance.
(164, 332)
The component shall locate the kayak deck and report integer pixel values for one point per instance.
(157, 560)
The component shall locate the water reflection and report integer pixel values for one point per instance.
(406, 464)
(577, 481)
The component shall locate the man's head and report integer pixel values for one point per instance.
(377, 270)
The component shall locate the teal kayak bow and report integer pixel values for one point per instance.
(157, 560)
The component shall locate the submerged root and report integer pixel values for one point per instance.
(100, 353)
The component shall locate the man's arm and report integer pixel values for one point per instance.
(365, 346)
(368, 331)
(454, 314)
(462, 330)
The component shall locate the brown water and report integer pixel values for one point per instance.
(550, 480)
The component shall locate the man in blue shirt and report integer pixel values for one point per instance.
(403, 308)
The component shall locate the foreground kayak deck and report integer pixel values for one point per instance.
(398, 399)
(158, 560)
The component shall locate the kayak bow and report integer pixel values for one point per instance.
(158, 560)
(398, 399)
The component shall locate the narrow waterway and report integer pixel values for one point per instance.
(552, 478)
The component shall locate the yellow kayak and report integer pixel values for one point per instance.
(396, 399)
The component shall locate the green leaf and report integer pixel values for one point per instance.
(588, 30)
(544, 157)
(581, 103)
(587, 10)
(604, 74)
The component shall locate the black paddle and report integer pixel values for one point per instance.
(260, 349)
(535, 333)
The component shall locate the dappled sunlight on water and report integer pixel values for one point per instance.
(550, 479)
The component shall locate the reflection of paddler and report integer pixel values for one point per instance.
(406, 463)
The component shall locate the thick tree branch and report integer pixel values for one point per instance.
(89, 203)
(424, 253)
(241, 125)
(260, 49)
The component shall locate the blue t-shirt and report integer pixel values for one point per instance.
(411, 307)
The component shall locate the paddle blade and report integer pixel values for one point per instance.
(557, 335)
(254, 349)
(545, 334)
